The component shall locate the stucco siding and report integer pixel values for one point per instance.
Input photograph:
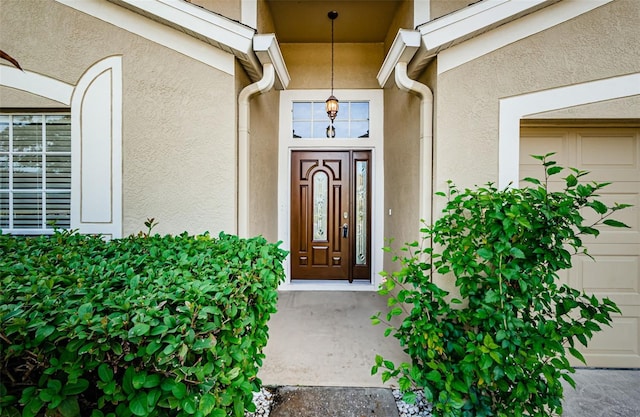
(178, 137)
(440, 8)
(265, 19)
(597, 45)
(179, 146)
(355, 65)
(401, 168)
(10, 96)
(227, 8)
(623, 108)
(403, 19)
(26, 29)
(263, 167)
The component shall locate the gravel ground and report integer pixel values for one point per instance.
(421, 409)
(264, 399)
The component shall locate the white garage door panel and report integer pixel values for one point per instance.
(616, 277)
(613, 156)
(616, 346)
(611, 274)
(621, 193)
(610, 155)
(551, 140)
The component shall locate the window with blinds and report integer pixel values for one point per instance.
(35, 172)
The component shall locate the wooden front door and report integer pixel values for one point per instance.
(331, 215)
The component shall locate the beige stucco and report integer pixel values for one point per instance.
(402, 165)
(355, 65)
(265, 19)
(227, 8)
(403, 19)
(263, 166)
(440, 8)
(182, 169)
(178, 141)
(401, 168)
(597, 45)
(9, 96)
(623, 108)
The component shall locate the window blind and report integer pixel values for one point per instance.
(35, 172)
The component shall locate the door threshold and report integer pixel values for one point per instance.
(328, 285)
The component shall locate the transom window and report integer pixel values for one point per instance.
(310, 120)
(35, 172)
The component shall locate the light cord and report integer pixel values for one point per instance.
(332, 20)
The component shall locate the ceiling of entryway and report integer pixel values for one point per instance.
(306, 21)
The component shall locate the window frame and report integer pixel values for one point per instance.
(345, 108)
(96, 139)
(44, 191)
(376, 126)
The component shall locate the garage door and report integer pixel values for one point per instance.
(610, 155)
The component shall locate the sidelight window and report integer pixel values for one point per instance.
(35, 172)
(361, 211)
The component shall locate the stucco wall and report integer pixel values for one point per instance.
(10, 96)
(597, 45)
(227, 8)
(401, 168)
(355, 65)
(402, 20)
(265, 19)
(440, 8)
(624, 108)
(178, 140)
(263, 167)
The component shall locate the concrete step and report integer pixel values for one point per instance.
(333, 402)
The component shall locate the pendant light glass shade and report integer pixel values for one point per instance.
(332, 106)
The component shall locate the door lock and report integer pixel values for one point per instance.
(345, 230)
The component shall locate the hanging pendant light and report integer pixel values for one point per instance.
(332, 101)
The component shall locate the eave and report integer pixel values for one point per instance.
(267, 50)
(452, 29)
(216, 30)
(403, 48)
(476, 19)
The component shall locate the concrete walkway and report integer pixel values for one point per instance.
(322, 338)
(603, 393)
(325, 339)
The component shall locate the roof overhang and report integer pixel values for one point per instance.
(468, 23)
(216, 30)
(403, 48)
(452, 29)
(267, 50)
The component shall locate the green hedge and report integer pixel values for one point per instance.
(144, 326)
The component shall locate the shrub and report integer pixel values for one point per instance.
(144, 326)
(500, 345)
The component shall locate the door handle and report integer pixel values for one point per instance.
(345, 230)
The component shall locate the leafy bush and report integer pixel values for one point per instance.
(144, 326)
(500, 349)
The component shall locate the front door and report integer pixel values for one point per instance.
(331, 215)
